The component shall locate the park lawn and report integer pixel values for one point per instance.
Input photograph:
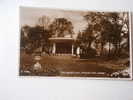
(70, 64)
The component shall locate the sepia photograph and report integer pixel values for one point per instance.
(75, 43)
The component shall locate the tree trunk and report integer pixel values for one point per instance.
(101, 53)
(119, 48)
(109, 49)
(116, 50)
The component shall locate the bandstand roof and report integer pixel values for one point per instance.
(61, 39)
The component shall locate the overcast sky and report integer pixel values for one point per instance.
(30, 16)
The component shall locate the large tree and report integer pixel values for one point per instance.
(61, 27)
(105, 28)
(113, 31)
(24, 35)
(91, 33)
(35, 37)
(84, 40)
(44, 22)
(40, 38)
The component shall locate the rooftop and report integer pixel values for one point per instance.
(61, 39)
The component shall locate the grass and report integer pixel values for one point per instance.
(68, 66)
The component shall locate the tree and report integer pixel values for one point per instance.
(88, 37)
(84, 40)
(91, 34)
(40, 38)
(24, 35)
(106, 35)
(61, 27)
(117, 22)
(125, 32)
(44, 22)
(105, 28)
(35, 37)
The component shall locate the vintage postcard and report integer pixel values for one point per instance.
(70, 43)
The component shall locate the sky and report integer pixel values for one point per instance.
(29, 16)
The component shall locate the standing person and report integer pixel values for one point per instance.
(78, 51)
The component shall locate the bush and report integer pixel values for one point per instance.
(90, 53)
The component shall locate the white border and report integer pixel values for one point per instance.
(130, 37)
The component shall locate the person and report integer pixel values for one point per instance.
(78, 51)
(37, 66)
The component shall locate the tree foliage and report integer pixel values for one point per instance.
(105, 28)
(36, 37)
(44, 22)
(61, 27)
